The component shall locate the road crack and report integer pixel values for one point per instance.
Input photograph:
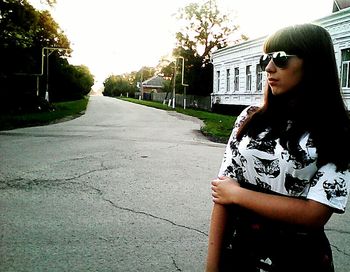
(175, 264)
(338, 231)
(153, 216)
(340, 250)
(100, 193)
(23, 183)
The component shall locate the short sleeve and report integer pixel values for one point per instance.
(227, 167)
(331, 187)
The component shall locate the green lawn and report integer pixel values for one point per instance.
(61, 110)
(217, 127)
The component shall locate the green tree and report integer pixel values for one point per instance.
(116, 85)
(205, 29)
(69, 82)
(165, 67)
(49, 33)
(49, 2)
(145, 73)
(25, 32)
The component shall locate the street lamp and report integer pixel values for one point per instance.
(49, 51)
(141, 85)
(182, 79)
(174, 84)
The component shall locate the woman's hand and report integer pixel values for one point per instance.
(224, 190)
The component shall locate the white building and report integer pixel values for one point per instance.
(239, 80)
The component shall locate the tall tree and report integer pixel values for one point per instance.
(49, 2)
(116, 85)
(25, 32)
(205, 29)
(69, 82)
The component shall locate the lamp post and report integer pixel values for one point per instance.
(141, 85)
(49, 51)
(174, 84)
(182, 79)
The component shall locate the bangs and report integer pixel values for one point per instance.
(283, 40)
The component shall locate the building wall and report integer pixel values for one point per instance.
(338, 26)
(250, 88)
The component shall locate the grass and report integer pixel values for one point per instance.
(61, 110)
(217, 127)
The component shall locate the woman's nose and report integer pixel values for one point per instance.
(271, 67)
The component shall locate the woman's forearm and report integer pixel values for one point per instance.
(216, 233)
(308, 213)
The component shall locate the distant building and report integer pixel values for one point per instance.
(239, 80)
(153, 85)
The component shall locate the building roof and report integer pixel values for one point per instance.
(154, 82)
(340, 4)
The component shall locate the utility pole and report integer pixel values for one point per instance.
(182, 79)
(174, 84)
(49, 51)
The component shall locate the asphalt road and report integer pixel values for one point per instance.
(122, 188)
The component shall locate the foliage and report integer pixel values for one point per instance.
(205, 29)
(25, 32)
(60, 111)
(68, 82)
(49, 2)
(116, 85)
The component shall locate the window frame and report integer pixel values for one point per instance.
(228, 80)
(248, 73)
(345, 68)
(259, 78)
(218, 80)
(236, 80)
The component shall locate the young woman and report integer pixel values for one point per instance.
(286, 167)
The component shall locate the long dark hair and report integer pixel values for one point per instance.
(315, 105)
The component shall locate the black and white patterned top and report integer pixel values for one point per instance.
(270, 166)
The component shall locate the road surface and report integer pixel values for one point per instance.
(122, 188)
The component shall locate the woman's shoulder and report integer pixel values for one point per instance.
(245, 113)
(249, 110)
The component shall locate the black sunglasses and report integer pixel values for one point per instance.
(280, 59)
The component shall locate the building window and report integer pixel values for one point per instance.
(228, 83)
(345, 68)
(236, 81)
(259, 78)
(218, 81)
(248, 73)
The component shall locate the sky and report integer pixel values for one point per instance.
(121, 36)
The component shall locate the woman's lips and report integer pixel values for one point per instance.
(272, 81)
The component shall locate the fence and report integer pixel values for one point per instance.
(192, 101)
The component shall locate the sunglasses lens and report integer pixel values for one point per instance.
(280, 59)
(264, 61)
